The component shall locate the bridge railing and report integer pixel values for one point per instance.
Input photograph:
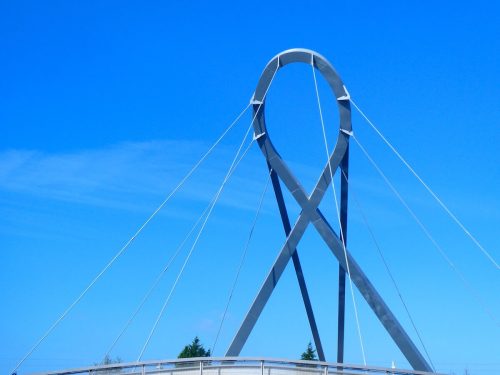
(232, 366)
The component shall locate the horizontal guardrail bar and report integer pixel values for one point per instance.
(261, 365)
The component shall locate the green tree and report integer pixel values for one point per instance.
(107, 360)
(309, 354)
(195, 349)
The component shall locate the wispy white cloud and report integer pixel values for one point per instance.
(113, 176)
(136, 176)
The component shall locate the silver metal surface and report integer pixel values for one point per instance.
(232, 366)
(310, 212)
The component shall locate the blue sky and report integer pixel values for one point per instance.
(104, 106)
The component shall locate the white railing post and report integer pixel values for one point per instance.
(201, 367)
(261, 367)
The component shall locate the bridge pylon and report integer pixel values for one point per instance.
(311, 214)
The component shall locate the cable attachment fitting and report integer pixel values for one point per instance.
(347, 96)
(349, 133)
(254, 101)
(257, 136)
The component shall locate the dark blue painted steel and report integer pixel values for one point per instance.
(296, 263)
(344, 189)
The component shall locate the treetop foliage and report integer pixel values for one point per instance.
(195, 349)
(309, 354)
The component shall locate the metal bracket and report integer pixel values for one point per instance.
(257, 136)
(349, 133)
(346, 96)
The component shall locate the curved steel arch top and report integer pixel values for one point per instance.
(300, 55)
(306, 56)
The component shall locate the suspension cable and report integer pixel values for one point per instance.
(157, 281)
(466, 283)
(386, 265)
(242, 260)
(174, 256)
(129, 242)
(429, 190)
(234, 164)
(338, 212)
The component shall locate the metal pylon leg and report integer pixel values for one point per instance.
(296, 263)
(344, 189)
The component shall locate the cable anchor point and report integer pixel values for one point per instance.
(347, 96)
(349, 133)
(254, 101)
(257, 136)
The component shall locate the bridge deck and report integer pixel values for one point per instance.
(233, 366)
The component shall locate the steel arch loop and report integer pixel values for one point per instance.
(338, 89)
(310, 213)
